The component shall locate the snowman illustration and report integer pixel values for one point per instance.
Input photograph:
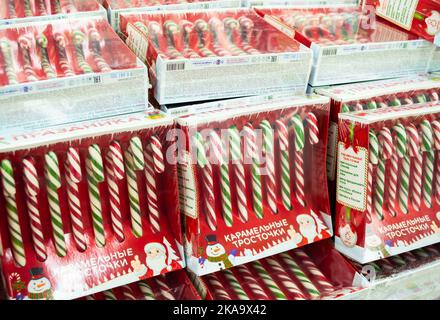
(39, 287)
(217, 258)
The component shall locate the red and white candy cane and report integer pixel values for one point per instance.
(114, 199)
(246, 26)
(127, 293)
(312, 126)
(187, 27)
(298, 127)
(258, 292)
(436, 131)
(417, 174)
(216, 287)
(32, 188)
(25, 43)
(283, 139)
(165, 291)
(171, 29)
(216, 28)
(74, 177)
(154, 164)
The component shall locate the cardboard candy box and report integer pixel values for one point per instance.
(58, 72)
(171, 286)
(372, 95)
(249, 174)
(387, 183)
(371, 49)
(89, 206)
(316, 271)
(215, 54)
(421, 17)
(24, 11)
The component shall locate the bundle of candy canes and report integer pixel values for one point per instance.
(248, 181)
(13, 9)
(299, 274)
(393, 153)
(172, 286)
(35, 52)
(98, 199)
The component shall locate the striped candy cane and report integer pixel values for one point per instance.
(171, 29)
(25, 43)
(187, 27)
(246, 26)
(27, 8)
(57, 6)
(251, 153)
(234, 283)
(109, 295)
(207, 181)
(11, 9)
(114, 198)
(42, 7)
(65, 65)
(53, 184)
(164, 289)
(416, 177)
(154, 165)
(95, 176)
(268, 152)
(238, 168)
(32, 188)
(5, 48)
(78, 41)
(400, 151)
(216, 28)
(201, 28)
(14, 227)
(320, 279)
(258, 292)
(268, 281)
(285, 279)
(127, 293)
(283, 138)
(428, 150)
(95, 46)
(44, 57)
(298, 127)
(146, 290)
(373, 161)
(74, 177)
(230, 25)
(216, 287)
(133, 195)
(155, 30)
(436, 133)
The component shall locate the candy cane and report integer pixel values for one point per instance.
(421, 253)
(187, 28)
(409, 257)
(32, 188)
(170, 30)
(27, 8)
(251, 152)
(298, 127)
(127, 293)
(246, 26)
(42, 7)
(201, 28)
(154, 165)
(57, 6)
(386, 149)
(11, 9)
(207, 178)
(230, 26)
(268, 281)
(5, 48)
(414, 152)
(238, 168)
(44, 56)
(78, 40)
(433, 96)
(133, 195)
(74, 177)
(374, 159)
(312, 290)
(95, 176)
(283, 138)
(308, 264)
(146, 290)
(95, 47)
(65, 65)
(109, 295)
(25, 44)
(164, 289)
(285, 279)
(268, 151)
(402, 140)
(218, 147)
(234, 283)
(154, 31)
(400, 147)
(258, 292)
(427, 149)
(53, 184)
(9, 191)
(216, 28)
(114, 198)
(398, 260)
(312, 126)
(68, 6)
(436, 133)
(217, 289)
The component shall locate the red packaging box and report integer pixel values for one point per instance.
(89, 206)
(248, 190)
(387, 183)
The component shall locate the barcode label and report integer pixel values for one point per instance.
(97, 79)
(274, 59)
(176, 66)
(330, 52)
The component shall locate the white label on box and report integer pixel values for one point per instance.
(351, 180)
(187, 195)
(331, 150)
(400, 12)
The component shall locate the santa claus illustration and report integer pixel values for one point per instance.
(159, 259)
(39, 287)
(217, 258)
(348, 235)
(311, 227)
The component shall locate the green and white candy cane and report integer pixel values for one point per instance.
(427, 147)
(53, 184)
(402, 152)
(5, 48)
(283, 138)
(44, 56)
(298, 127)
(146, 290)
(436, 132)
(14, 227)
(268, 152)
(268, 281)
(137, 152)
(133, 195)
(235, 285)
(95, 175)
(78, 41)
(373, 160)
